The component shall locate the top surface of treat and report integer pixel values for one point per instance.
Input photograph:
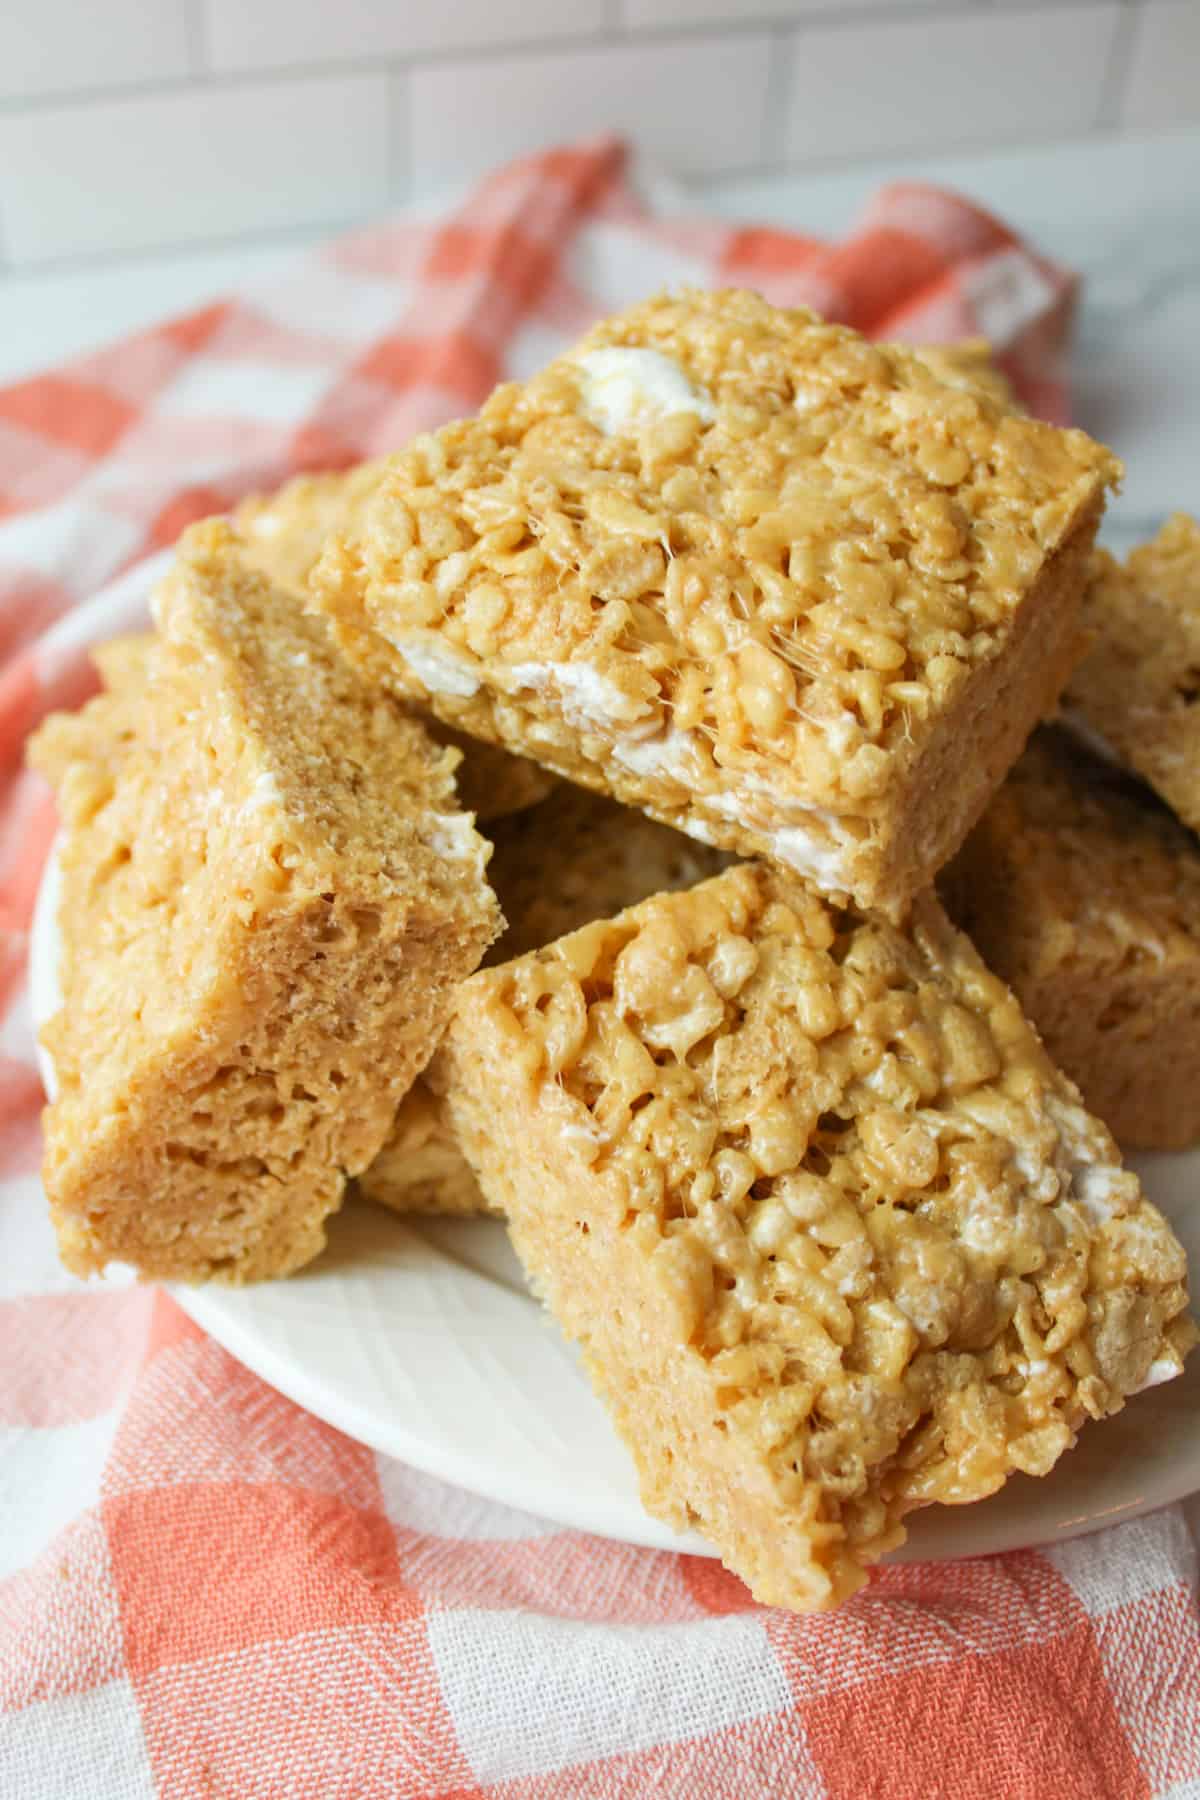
(886, 1204)
(1104, 870)
(968, 364)
(739, 534)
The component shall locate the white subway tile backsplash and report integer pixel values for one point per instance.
(201, 163)
(263, 34)
(129, 125)
(55, 46)
(1162, 84)
(934, 79)
(696, 105)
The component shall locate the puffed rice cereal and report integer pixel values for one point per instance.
(771, 583)
(836, 1238)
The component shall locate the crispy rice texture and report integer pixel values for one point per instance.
(268, 897)
(968, 364)
(100, 734)
(801, 598)
(1082, 891)
(575, 858)
(834, 1235)
(420, 1168)
(1137, 687)
(284, 533)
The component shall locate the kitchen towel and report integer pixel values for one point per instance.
(204, 1591)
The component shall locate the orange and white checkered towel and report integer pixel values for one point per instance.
(204, 1591)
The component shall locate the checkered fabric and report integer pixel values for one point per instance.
(206, 1592)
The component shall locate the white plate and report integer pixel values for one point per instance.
(422, 1341)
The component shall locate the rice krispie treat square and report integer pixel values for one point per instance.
(773, 584)
(557, 866)
(1135, 693)
(100, 733)
(285, 531)
(284, 534)
(268, 896)
(968, 363)
(1082, 891)
(835, 1236)
(420, 1168)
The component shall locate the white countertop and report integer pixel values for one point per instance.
(1125, 213)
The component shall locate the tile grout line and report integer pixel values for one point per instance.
(196, 37)
(178, 87)
(847, 162)
(830, 14)
(399, 135)
(296, 237)
(1120, 61)
(780, 82)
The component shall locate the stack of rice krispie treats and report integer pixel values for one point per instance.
(545, 821)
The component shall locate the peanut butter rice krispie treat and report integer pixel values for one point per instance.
(968, 364)
(555, 867)
(420, 1168)
(1082, 891)
(268, 896)
(102, 732)
(835, 1236)
(1136, 690)
(768, 582)
(578, 857)
(284, 533)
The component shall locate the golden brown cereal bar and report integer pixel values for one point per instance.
(420, 1168)
(579, 857)
(268, 896)
(1082, 891)
(835, 1236)
(1137, 689)
(766, 581)
(284, 533)
(967, 364)
(102, 732)
(575, 858)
